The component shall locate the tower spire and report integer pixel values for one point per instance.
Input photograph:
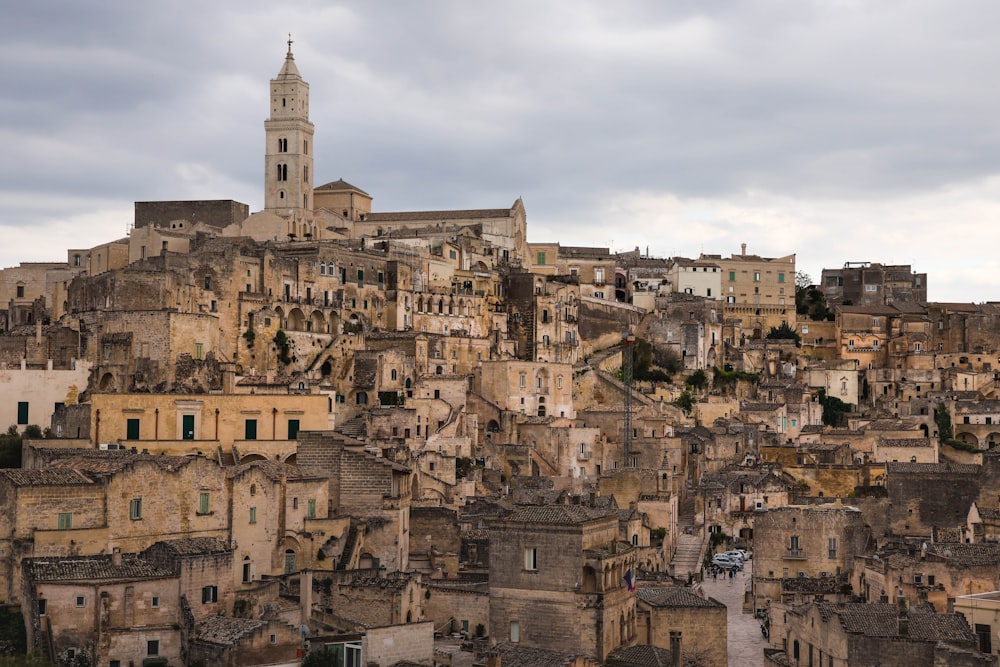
(290, 45)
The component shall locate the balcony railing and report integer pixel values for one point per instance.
(796, 553)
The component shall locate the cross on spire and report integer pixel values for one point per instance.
(289, 43)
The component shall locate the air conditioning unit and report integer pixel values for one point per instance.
(824, 574)
(802, 575)
(758, 505)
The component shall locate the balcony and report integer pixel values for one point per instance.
(583, 456)
(795, 554)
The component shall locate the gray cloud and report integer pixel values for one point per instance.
(840, 131)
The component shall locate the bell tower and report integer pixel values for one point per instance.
(288, 162)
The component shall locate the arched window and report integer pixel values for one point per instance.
(393, 374)
(361, 398)
(282, 172)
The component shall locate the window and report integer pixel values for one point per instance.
(42, 604)
(155, 602)
(531, 558)
(187, 427)
(831, 547)
(153, 647)
(81, 601)
(983, 635)
(781, 277)
(523, 384)
(208, 282)
(65, 521)
(132, 429)
(135, 509)
(515, 632)
(282, 172)
(204, 501)
(756, 276)
(250, 429)
(253, 515)
(541, 258)
(197, 351)
(295, 503)
(246, 571)
(293, 427)
(282, 145)
(598, 276)
(871, 288)
(311, 509)
(22, 412)
(20, 291)
(209, 594)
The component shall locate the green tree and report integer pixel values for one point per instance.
(834, 410)
(284, 346)
(686, 401)
(784, 332)
(943, 420)
(10, 448)
(697, 380)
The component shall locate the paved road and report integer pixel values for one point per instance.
(745, 643)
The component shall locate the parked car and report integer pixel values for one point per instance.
(736, 553)
(725, 562)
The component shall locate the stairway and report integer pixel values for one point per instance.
(354, 427)
(687, 554)
(348, 552)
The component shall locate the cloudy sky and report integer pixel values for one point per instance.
(838, 130)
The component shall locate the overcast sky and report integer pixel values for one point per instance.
(836, 130)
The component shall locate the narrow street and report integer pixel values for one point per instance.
(745, 643)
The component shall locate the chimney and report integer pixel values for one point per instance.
(116, 556)
(902, 615)
(743, 249)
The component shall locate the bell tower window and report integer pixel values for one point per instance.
(282, 172)
(282, 145)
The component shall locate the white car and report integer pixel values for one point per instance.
(727, 562)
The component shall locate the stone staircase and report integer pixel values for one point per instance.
(687, 554)
(354, 427)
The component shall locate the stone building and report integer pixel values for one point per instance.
(563, 563)
(873, 284)
(804, 542)
(757, 291)
(668, 616)
(842, 635)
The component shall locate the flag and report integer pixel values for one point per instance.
(629, 579)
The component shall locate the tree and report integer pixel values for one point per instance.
(834, 410)
(802, 281)
(697, 380)
(943, 420)
(784, 332)
(10, 448)
(667, 359)
(686, 401)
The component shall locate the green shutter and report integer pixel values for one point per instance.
(132, 429)
(311, 509)
(250, 430)
(22, 412)
(203, 501)
(293, 429)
